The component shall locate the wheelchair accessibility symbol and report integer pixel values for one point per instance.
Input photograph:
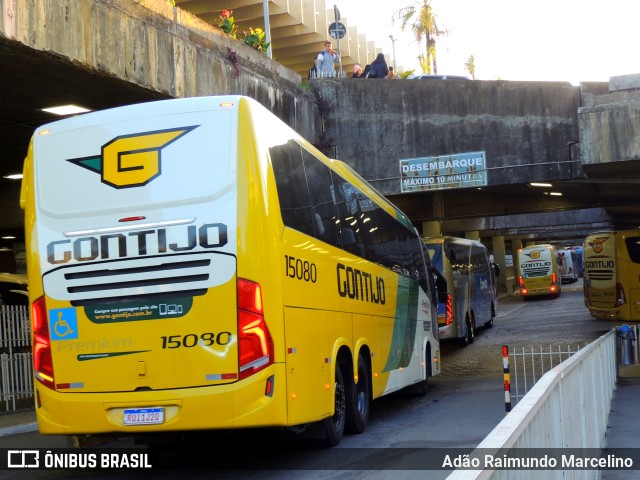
(63, 324)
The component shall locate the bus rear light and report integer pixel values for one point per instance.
(268, 388)
(554, 278)
(255, 347)
(553, 289)
(621, 299)
(42, 360)
(449, 320)
(521, 281)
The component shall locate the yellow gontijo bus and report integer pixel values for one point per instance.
(196, 264)
(538, 271)
(612, 275)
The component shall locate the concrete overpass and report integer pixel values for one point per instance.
(105, 53)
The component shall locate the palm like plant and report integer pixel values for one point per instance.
(422, 22)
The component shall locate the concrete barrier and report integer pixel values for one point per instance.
(568, 408)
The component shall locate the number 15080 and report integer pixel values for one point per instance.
(300, 269)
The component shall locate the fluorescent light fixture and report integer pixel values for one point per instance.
(535, 184)
(66, 110)
(13, 176)
(555, 194)
(8, 238)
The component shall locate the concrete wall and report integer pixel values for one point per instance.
(609, 125)
(165, 49)
(524, 127)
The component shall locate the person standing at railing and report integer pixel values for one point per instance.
(326, 60)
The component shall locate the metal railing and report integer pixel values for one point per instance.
(568, 408)
(528, 364)
(16, 365)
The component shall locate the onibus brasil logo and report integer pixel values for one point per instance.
(131, 160)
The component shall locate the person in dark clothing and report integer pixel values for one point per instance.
(379, 67)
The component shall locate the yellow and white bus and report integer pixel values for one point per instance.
(196, 264)
(538, 271)
(612, 275)
(471, 300)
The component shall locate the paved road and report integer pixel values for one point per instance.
(463, 405)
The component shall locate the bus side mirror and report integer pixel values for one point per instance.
(496, 269)
(441, 287)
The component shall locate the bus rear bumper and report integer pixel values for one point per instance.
(606, 314)
(243, 404)
(446, 332)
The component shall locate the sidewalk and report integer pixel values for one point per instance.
(623, 429)
(14, 423)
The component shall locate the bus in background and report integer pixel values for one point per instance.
(471, 294)
(612, 275)
(568, 265)
(538, 272)
(578, 250)
(196, 264)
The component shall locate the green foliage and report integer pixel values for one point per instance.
(255, 39)
(227, 23)
(422, 21)
(172, 2)
(407, 74)
(470, 66)
(306, 86)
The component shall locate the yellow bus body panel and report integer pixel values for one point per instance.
(311, 323)
(608, 267)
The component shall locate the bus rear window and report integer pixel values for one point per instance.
(134, 163)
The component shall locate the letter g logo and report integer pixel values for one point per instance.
(131, 160)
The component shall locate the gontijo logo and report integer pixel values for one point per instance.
(534, 254)
(598, 244)
(131, 160)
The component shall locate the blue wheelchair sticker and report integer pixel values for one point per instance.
(63, 324)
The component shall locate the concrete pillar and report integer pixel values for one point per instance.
(512, 281)
(431, 229)
(499, 253)
(472, 235)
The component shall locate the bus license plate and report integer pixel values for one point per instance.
(143, 416)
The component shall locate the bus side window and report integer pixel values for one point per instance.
(348, 216)
(325, 212)
(291, 183)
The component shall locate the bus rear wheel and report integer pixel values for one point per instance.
(358, 400)
(334, 425)
(489, 324)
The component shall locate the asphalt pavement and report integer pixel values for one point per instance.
(623, 429)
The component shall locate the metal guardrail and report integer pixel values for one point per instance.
(568, 408)
(528, 364)
(16, 365)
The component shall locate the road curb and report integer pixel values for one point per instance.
(18, 429)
